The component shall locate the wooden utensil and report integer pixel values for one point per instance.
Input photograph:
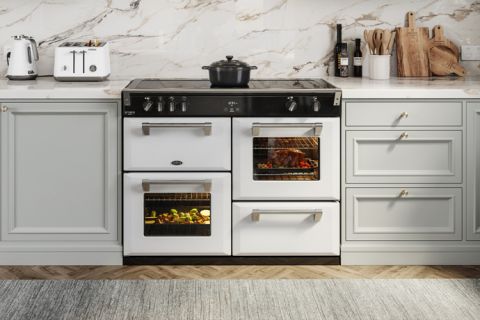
(443, 63)
(385, 41)
(392, 40)
(377, 40)
(370, 41)
(412, 49)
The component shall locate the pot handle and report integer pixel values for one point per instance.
(253, 68)
(206, 68)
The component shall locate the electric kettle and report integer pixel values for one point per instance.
(22, 57)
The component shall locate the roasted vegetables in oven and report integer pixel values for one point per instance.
(286, 158)
(175, 217)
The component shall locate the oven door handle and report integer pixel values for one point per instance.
(207, 184)
(317, 127)
(316, 213)
(205, 126)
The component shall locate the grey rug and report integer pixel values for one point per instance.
(240, 299)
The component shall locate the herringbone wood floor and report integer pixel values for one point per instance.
(237, 272)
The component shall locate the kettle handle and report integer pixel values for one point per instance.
(33, 45)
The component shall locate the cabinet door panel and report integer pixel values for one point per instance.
(404, 156)
(59, 171)
(404, 214)
(473, 171)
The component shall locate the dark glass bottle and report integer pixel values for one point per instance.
(340, 54)
(357, 60)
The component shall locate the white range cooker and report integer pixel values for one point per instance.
(223, 173)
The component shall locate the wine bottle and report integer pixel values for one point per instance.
(337, 51)
(357, 60)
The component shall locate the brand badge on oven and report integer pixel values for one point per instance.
(176, 162)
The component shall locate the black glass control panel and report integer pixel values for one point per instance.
(140, 104)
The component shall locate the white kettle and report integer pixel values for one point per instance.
(22, 57)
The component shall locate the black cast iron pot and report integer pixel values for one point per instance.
(229, 73)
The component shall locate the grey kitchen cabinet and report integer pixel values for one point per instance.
(59, 181)
(410, 181)
(473, 171)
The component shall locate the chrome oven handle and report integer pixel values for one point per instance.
(316, 213)
(206, 126)
(317, 127)
(207, 184)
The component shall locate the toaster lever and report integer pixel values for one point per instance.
(73, 55)
(83, 60)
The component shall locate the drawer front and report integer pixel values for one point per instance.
(404, 114)
(404, 156)
(404, 214)
(177, 144)
(286, 229)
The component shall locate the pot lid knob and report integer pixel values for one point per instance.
(229, 58)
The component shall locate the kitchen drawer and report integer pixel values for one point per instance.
(404, 114)
(177, 144)
(404, 156)
(286, 229)
(404, 214)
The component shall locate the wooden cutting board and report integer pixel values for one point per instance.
(443, 55)
(412, 49)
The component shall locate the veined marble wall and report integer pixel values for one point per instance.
(174, 38)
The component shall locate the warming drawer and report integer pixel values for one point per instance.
(177, 144)
(286, 229)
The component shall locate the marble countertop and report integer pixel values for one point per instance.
(353, 88)
(408, 88)
(49, 88)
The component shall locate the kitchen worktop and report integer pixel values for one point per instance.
(353, 88)
(408, 88)
(48, 88)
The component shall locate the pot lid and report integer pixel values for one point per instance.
(229, 63)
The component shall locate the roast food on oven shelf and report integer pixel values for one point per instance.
(174, 217)
(286, 158)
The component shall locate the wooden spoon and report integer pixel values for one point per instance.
(368, 34)
(377, 40)
(387, 34)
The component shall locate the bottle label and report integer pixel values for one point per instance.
(344, 61)
(357, 61)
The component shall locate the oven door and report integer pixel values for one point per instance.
(286, 158)
(176, 144)
(175, 214)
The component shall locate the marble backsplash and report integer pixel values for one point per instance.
(174, 38)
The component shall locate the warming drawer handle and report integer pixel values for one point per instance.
(205, 126)
(316, 213)
(207, 184)
(317, 127)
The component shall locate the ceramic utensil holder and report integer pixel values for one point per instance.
(379, 67)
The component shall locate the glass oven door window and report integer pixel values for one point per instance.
(286, 158)
(177, 214)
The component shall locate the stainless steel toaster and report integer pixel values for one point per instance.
(82, 61)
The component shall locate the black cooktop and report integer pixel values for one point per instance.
(204, 85)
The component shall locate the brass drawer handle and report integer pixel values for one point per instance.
(403, 115)
(403, 193)
(4, 108)
(404, 135)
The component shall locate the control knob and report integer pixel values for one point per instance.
(160, 104)
(171, 104)
(316, 104)
(183, 105)
(291, 104)
(147, 104)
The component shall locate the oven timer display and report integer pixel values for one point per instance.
(232, 106)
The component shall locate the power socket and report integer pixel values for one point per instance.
(470, 53)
